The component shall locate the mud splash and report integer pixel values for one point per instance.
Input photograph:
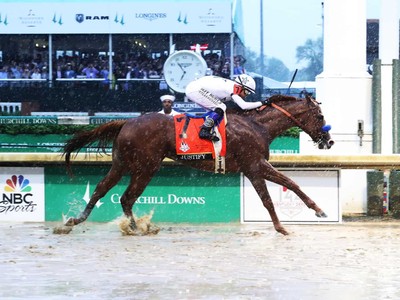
(143, 226)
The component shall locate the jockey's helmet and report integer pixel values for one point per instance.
(247, 82)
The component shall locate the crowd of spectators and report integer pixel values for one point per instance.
(97, 67)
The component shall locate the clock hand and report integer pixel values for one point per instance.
(183, 69)
(183, 75)
(180, 66)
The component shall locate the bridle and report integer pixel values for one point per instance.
(299, 124)
(288, 114)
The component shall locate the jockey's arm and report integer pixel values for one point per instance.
(245, 105)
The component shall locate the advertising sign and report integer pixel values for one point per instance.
(58, 17)
(7, 120)
(22, 194)
(285, 145)
(176, 194)
(322, 186)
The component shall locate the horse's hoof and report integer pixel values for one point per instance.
(70, 222)
(282, 231)
(321, 214)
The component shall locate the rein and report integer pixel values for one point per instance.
(288, 114)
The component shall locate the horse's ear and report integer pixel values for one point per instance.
(311, 99)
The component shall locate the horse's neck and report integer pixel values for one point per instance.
(274, 121)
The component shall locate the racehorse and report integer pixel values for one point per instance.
(141, 144)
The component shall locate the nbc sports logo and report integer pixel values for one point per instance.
(17, 184)
(22, 194)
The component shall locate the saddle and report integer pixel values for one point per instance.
(190, 147)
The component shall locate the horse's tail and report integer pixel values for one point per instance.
(103, 135)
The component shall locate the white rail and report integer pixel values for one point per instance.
(372, 161)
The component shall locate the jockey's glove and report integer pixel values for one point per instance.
(266, 102)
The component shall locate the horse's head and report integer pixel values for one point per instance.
(306, 114)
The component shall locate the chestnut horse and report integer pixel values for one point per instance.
(141, 144)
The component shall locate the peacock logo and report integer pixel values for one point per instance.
(17, 184)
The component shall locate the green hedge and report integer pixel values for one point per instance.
(43, 129)
(71, 129)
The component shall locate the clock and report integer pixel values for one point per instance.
(182, 67)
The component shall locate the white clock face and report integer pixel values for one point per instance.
(183, 67)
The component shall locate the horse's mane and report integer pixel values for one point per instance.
(273, 99)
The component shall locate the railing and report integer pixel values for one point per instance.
(373, 161)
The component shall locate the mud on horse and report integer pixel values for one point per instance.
(249, 135)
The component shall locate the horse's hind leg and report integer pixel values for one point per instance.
(110, 180)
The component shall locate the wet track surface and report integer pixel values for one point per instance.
(353, 260)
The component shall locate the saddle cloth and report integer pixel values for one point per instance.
(190, 147)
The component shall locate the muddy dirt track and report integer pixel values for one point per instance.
(353, 260)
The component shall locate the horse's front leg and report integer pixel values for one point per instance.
(262, 191)
(273, 175)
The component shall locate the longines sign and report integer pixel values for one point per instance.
(58, 17)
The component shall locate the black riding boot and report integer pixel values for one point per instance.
(207, 132)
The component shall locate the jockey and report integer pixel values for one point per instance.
(211, 92)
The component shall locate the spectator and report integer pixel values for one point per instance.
(90, 71)
(167, 101)
(36, 74)
(16, 72)
(58, 73)
(45, 73)
(238, 69)
(26, 74)
(226, 70)
(3, 72)
(69, 73)
(3, 75)
(104, 73)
